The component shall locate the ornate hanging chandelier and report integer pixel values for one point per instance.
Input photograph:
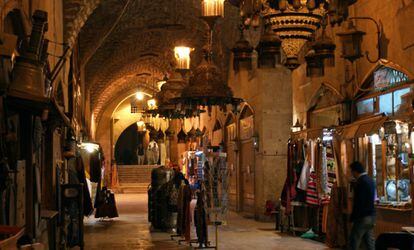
(206, 86)
(171, 89)
(294, 21)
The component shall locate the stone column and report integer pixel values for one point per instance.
(275, 121)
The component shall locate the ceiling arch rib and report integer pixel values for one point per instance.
(75, 14)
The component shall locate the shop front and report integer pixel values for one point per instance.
(381, 137)
(384, 144)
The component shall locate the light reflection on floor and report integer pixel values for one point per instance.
(131, 231)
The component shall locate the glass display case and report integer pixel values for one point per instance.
(391, 150)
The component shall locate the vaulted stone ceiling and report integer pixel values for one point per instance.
(137, 47)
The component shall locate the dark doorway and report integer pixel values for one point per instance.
(127, 144)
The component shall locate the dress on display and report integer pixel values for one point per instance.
(184, 213)
(200, 220)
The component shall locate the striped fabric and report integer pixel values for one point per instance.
(312, 193)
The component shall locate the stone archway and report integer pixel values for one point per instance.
(126, 146)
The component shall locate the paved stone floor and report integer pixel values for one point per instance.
(131, 231)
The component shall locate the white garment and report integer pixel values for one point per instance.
(304, 175)
(324, 175)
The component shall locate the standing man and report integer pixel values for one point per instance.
(363, 210)
(140, 154)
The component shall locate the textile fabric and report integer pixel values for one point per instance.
(336, 222)
(289, 189)
(312, 191)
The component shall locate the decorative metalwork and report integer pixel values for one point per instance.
(314, 65)
(206, 86)
(295, 22)
(351, 40)
(269, 49)
(170, 90)
(242, 52)
(324, 48)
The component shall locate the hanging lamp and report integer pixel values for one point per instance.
(269, 49)
(171, 89)
(206, 86)
(324, 47)
(242, 53)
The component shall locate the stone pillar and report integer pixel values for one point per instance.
(269, 92)
(275, 120)
(172, 141)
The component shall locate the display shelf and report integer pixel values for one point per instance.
(398, 208)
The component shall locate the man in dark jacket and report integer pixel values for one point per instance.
(363, 211)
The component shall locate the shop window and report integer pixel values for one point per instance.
(399, 100)
(365, 107)
(385, 104)
(390, 162)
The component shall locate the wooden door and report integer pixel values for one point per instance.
(247, 176)
(231, 165)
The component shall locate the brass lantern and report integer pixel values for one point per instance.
(351, 40)
(212, 8)
(182, 57)
(314, 65)
(324, 49)
(242, 53)
(268, 50)
(29, 80)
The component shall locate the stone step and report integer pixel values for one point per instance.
(132, 188)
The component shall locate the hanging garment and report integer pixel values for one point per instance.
(184, 214)
(107, 205)
(87, 201)
(324, 217)
(336, 233)
(312, 192)
(200, 220)
(304, 175)
(324, 172)
(95, 167)
(289, 189)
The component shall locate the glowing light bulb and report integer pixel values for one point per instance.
(212, 8)
(182, 56)
(139, 96)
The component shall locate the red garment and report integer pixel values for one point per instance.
(289, 189)
(184, 214)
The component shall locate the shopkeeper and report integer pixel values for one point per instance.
(363, 210)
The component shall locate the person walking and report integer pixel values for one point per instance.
(363, 210)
